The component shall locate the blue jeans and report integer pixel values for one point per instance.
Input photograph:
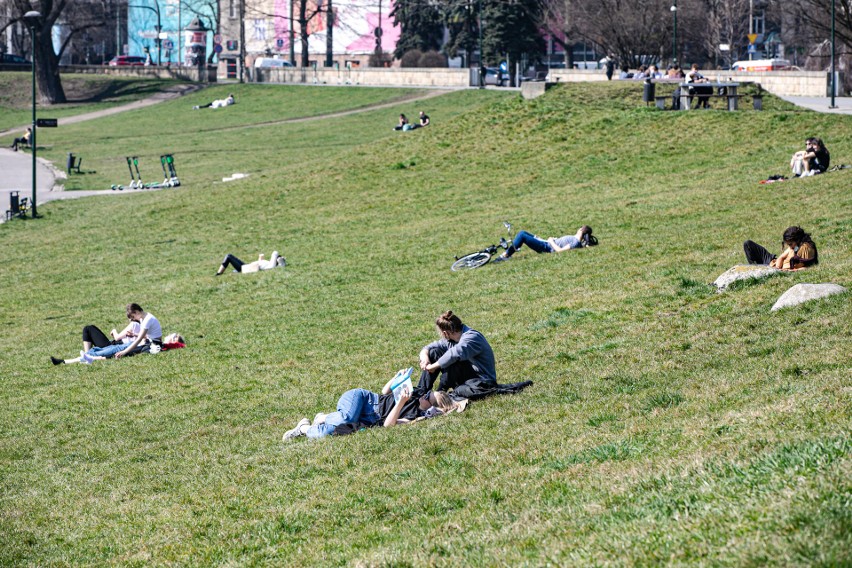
(108, 351)
(356, 405)
(532, 241)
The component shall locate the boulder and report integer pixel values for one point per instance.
(801, 293)
(742, 272)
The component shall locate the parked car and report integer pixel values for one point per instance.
(269, 62)
(125, 60)
(493, 76)
(12, 59)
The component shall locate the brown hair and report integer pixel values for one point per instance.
(449, 322)
(444, 402)
(133, 308)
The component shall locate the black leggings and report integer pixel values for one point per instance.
(756, 254)
(95, 336)
(233, 261)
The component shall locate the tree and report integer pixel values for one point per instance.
(47, 62)
(463, 23)
(421, 23)
(512, 28)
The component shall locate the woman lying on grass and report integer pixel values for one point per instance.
(245, 267)
(363, 408)
(583, 238)
(143, 333)
(797, 251)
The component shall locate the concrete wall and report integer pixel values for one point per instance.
(373, 76)
(789, 83)
(183, 73)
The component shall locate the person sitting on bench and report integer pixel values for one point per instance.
(583, 238)
(25, 139)
(245, 267)
(703, 92)
(219, 103)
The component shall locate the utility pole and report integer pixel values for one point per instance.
(242, 40)
(750, 27)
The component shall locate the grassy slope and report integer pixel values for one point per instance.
(85, 93)
(667, 423)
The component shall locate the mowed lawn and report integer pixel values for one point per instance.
(667, 423)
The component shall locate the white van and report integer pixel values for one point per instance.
(761, 65)
(269, 62)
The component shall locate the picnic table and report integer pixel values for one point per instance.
(709, 89)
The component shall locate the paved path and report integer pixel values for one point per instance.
(821, 104)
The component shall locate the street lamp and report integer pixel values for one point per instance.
(833, 69)
(481, 61)
(674, 35)
(32, 18)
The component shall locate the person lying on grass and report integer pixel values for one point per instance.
(359, 408)
(171, 341)
(464, 361)
(133, 339)
(583, 238)
(797, 251)
(245, 267)
(219, 103)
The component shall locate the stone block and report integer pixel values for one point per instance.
(801, 293)
(742, 272)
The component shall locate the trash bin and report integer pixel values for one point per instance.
(758, 102)
(69, 163)
(648, 91)
(15, 203)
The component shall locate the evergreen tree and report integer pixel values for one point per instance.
(421, 26)
(513, 28)
(462, 18)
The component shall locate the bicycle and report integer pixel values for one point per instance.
(482, 257)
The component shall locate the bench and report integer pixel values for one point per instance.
(73, 163)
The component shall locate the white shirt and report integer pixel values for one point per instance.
(150, 324)
(223, 102)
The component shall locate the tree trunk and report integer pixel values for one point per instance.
(47, 69)
(303, 31)
(329, 35)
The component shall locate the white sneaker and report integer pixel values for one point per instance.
(297, 431)
(85, 358)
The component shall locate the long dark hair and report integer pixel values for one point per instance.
(586, 237)
(796, 235)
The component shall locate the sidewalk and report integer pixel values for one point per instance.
(821, 104)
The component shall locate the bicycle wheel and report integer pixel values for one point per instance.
(473, 260)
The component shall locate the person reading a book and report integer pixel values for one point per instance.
(364, 408)
(464, 361)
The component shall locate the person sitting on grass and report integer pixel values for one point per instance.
(464, 361)
(424, 119)
(142, 334)
(246, 267)
(797, 251)
(25, 139)
(403, 122)
(219, 103)
(813, 160)
(583, 238)
(362, 408)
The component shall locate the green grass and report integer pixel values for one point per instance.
(85, 93)
(667, 423)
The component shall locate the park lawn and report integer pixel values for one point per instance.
(667, 423)
(85, 93)
(250, 136)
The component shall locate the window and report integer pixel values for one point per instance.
(232, 9)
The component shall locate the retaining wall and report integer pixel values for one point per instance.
(372, 76)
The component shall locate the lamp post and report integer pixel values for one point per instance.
(32, 18)
(674, 35)
(833, 69)
(481, 60)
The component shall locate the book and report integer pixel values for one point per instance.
(400, 382)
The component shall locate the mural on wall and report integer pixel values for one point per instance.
(175, 15)
(355, 22)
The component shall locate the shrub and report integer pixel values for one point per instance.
(432, 59)
(411, 58)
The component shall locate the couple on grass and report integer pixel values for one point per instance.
(463, 360)
(142, 335)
